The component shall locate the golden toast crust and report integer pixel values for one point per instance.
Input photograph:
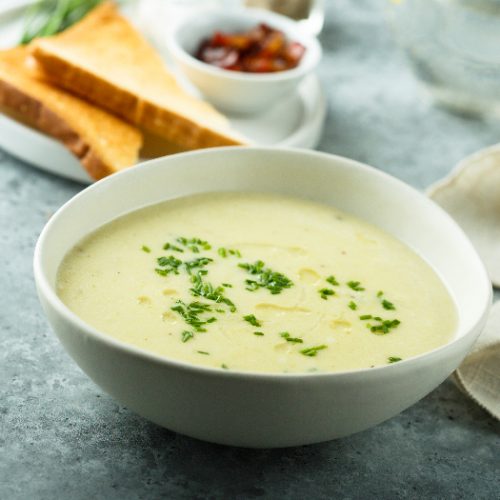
(101, 142)
(105, 60)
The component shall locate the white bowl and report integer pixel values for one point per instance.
(255, 409)
(235, 91)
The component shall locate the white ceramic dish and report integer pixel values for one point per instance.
(262, 410)
(296, 121)
(234, 91)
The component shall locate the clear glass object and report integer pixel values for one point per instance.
(454, 48)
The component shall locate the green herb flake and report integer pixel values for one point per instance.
(194, 244)
(204, 289)
(352, 305)
(388, 305)
(313, 351)
(259, 334)
(205, 353)
(273, 281)
(227, 285)
(288, 338)
(332, 281)
(192, 314)
(252, 320)
(224, 366)
(168, 265)
(199, 263)
(326, 292)
(355, 285)
(187, 335)
(393, 359)
(146, 249)
(169, 246)
(366, 316)
(226, 252)
(384, 326)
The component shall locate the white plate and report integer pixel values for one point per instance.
(297, 121)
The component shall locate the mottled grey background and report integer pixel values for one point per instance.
(62, 437)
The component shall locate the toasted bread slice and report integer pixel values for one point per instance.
(102, 142)
(105, 60)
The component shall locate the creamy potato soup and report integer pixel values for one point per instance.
(257, 282)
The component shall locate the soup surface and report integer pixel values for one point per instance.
(257, 282)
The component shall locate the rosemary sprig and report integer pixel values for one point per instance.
(48, 17)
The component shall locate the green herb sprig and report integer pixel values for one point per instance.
(49, 17)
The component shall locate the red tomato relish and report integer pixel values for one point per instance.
(262, 49)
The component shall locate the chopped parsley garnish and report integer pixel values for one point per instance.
(227, 285)
(274, 281)
(366, 316)
(355, 285)
(352, 305)
(325, 292)
(169, 246)
(205, 353)
(384, 326)
(168, 265)
(393, 359)
(224, 366)
(259, 334)
(146, 249)
(332, 281)
(252, 320)
(312, 351)
(225, 252)
(288, 338)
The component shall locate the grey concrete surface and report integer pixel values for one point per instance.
(62, 437)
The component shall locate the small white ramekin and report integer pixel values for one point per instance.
(234, 91)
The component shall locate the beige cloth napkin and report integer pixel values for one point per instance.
(479, 374)
(471, 195)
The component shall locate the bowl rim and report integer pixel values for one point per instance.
(47, 292)
(291, 29)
